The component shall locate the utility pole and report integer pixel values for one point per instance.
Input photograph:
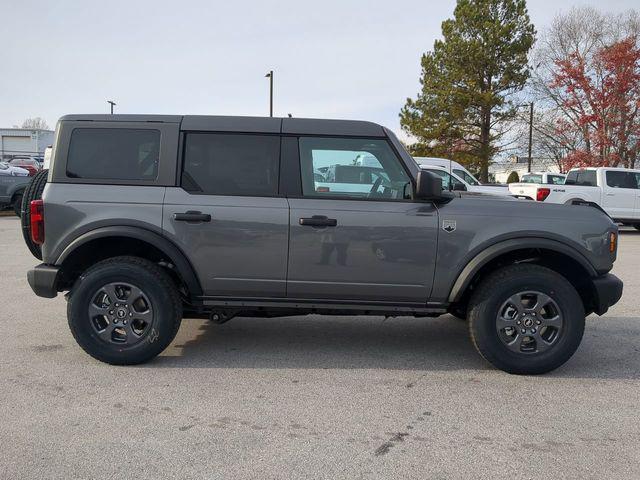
(111, 103)
(530, 136)
(270, 75)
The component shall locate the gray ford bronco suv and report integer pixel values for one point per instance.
(146, 219)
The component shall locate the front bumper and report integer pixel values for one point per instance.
(43, 279)
(608, 290)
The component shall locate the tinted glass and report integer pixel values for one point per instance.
(351, 167)
(113, 154)
(228, 164)
(622, 180)
(586, 178)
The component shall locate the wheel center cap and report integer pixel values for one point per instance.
(528, 322)
(121, 313)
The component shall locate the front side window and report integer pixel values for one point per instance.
(617, 179)
(231, 164)
(466, 177)
(351, 167)
(113, 154)
(449, 182)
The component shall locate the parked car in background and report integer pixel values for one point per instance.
(456, 168)
(548, 178)
(13, 181)
(615, 190)
(32, 165)
(457, 174)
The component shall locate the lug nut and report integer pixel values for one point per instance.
(125, 322)
(110, 312)
(533, 330)
(538, 322)
(533, 314)
(130, 314)
(523, 331)
(518, 322)
(115, 320)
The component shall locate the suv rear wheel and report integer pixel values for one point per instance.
(124, 310)
(17, 205)
(526, 319)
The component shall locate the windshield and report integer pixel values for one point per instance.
(466, 176)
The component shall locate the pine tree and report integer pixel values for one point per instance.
(467, 81)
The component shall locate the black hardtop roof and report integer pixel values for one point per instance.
(218, 123)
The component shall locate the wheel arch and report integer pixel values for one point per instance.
(561, 258)
(118, 240)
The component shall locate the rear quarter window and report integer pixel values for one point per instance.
(113, 154)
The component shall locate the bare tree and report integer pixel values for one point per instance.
(581, 32)
(36, 123)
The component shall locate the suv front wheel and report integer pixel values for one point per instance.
(526, 319)
(124, 310)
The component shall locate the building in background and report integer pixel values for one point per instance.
(24, 142)
(500, 171)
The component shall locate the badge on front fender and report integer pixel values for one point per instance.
(449, 226)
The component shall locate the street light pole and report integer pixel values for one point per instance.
(270, 75)
(530, 136)
(111, 103)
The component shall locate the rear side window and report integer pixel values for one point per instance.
(617, 179)
(113, 154)
(531, 179)
(231, 164)
(555, 179)
(585, 178)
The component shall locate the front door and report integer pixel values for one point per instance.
(354, 233)
(226, 216)
(620, 194)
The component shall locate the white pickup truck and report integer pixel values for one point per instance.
(616, 190)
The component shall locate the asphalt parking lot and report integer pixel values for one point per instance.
(312, 397)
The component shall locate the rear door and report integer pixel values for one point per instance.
(620, 191)
(355, 236)
(227, 216)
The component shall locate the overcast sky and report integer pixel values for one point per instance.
(332, 59)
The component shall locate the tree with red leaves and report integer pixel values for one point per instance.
(600, 96)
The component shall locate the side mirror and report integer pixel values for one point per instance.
(459, 187)
(428, 186)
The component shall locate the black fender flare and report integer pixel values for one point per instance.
(177, 257)
(494, 251)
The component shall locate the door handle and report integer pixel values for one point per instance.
(192, 216)
(319, 221)
(610, 194)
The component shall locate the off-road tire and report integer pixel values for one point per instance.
(149, 278)
(32, 192)
(499, 286)
(17, 205)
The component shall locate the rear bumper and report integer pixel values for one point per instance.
(608, 289)
(43, 279)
